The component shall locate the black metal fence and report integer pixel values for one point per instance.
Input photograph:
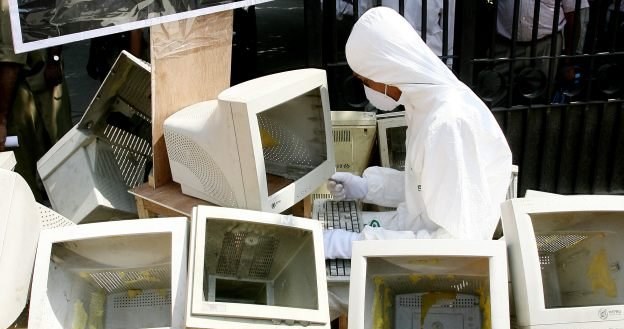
(554, 80)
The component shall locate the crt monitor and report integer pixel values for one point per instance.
(565, 260)
(256, 270)
(426, 284)
(88, 172)
(354, 135)
(392, 129)
(265, 144)
(122, 274)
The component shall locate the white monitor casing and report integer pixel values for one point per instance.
(564, 256)
(386, 122)
(215, 148)
(456, 267)
(121, 274)
(88, 172)
(294, 272)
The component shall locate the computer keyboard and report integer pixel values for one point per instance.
(337, 215)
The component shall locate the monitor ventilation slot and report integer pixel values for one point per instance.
(148, 298)
(415, 301)
(443, 283)
(184, 151)
(552, 243)
(124, 280)
(132, 154)
(342, 136)
(247, 255)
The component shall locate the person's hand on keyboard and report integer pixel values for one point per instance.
(346, 186)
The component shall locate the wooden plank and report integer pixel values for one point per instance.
(343, 322)
(191, 62)
(142, 210)
(166, 200)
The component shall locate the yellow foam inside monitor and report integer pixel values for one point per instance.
(267, 139)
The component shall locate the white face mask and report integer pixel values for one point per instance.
(379, 100)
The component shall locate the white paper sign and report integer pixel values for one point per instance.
(40, 24)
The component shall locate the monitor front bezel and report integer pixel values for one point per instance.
(244, 114)
(212, 313)
(526, 276)
(494, 250)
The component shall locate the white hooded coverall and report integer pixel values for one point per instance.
(458, 162)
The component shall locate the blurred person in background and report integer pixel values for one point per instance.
(34, 104)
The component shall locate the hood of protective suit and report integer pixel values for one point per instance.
(385, 48)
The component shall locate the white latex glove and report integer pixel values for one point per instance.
(338, 243)
(343, 185)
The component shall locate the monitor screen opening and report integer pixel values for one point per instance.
(579, 256)
(425, 291)
(293, 139)
(259, 264)
(396, 146)
(108, 279)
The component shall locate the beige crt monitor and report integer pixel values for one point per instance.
(354, 135)
(265, 144)
(120, 274)
(88, 172)
(392, 129)
(429, 283)
(255, 270)
(565, 255)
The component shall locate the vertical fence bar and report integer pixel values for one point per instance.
(423, 21)
(553, 49)
(313, 23)
(512, 52)
(466, 51)
(535, 30)
(615, 22)
(445, 26)
(328, 22)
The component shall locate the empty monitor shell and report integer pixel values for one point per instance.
(451, 273)
(88, 172)
(565, 254)
(392, 129)
(251, 269)
(354, 135)
(123, 274)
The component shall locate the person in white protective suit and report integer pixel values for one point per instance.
(458, 162)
